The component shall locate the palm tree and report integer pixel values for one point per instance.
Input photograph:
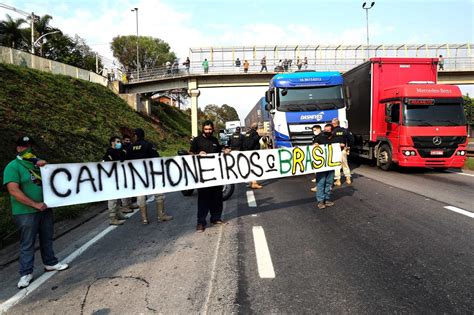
(42, 27)
(11, 34)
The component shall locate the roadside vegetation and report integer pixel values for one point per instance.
(71, 121)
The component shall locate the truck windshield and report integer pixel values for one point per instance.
(313, 98)
(434, 115)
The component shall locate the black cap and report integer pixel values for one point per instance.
(24, 140)
(140, 133)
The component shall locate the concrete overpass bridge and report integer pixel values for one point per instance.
(222, 72)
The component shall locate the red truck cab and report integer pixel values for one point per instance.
(399, 115)
(424, 124)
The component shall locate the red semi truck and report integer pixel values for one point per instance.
(399, 115)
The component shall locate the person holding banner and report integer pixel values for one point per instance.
(115, 153)
(22, 177)
(316, 132)
(324, 180)
(252, 142)
(142, 149)
(209, 198)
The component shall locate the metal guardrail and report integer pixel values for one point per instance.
(227, 67)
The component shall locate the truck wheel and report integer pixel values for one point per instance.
(384, 158)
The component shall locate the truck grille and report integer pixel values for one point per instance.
(301, 138)
(449, 144)
(446, 142)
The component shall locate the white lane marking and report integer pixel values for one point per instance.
(461, 211)
(251, 199)
(254, 215)
(461, 173)
(205, 308)
(5, 306)
(264, 260)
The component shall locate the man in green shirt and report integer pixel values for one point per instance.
(22, 177)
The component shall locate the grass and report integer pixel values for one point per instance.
(71, 120)
(469, 165)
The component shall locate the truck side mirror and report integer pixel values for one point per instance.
(347, 92)
(268, 96)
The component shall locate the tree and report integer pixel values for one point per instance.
(229, 113)
(153, 52)
(42, 27)
(11, 34)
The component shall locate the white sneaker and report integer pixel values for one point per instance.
(25, 281)
(57, 267)
(151, 199)
(313, 180)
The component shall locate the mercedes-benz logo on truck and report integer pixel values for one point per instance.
(437, 140)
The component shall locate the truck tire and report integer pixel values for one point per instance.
(384, 158)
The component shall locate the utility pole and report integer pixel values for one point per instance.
(138, 59)
(367, 8)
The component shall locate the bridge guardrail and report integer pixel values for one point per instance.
(223, 67)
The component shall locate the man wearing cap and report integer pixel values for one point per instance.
(22, 177)
(143, 149)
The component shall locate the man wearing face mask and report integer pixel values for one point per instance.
(22, 177)
(115, 153)
(143, 149)
(324, 180)
(316, 132)
(209, 198)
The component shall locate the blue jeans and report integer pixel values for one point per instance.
(324, 181)
(30, 225)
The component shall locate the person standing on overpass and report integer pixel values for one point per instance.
(441, 62)
(263, 62)
(246, 66)
(344, 138)
(205, 66)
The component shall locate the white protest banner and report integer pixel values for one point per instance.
(75, 183)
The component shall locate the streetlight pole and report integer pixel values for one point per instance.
(41, 37)
(138, 59)
(367, 8)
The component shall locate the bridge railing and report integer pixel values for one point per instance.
(227, 67)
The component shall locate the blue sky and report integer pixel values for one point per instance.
(198, 23)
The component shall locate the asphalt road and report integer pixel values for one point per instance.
(388, 245)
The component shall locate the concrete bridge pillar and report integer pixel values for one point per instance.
(194, 93)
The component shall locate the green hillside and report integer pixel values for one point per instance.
(71, 121)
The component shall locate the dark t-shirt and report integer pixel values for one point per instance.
(236, 141)
(251, 140)
(323, 139)
(342, 135)
(208, 145)
(115, 154)
(143, 149)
